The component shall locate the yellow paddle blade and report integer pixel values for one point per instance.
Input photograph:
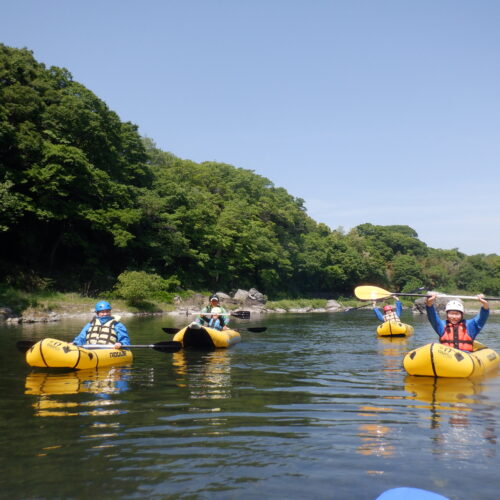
(367, 292)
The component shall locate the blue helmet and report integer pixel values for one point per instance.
(102, 305)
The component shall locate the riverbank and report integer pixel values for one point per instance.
(57, 306)
(63, 311)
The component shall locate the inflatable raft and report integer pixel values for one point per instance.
(53, 353)
(394, 329)
(438, 360)
(406, 493)
(202, 337)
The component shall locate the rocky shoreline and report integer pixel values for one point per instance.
(251, 300)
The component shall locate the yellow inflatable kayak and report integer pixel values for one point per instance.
(394, 329)
(203, 337)
(438, 360)
(53, 353)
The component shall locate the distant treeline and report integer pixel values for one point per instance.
(84, 198)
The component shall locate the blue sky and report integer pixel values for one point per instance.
(384, 111)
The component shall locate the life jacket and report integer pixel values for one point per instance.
(102, 333)
(391, 316)
(222, 317)
(456, 336)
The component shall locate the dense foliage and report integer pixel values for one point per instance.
(85, 200)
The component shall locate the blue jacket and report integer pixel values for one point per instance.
(380, 314)
(202, 320)
(120, 328)
(215, 323)
(474, 325)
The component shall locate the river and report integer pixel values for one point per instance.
(316, 407)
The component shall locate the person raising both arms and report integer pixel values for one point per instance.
(103, 329)
(455, 331)
(389, 314)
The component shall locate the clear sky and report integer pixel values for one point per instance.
(380, 111)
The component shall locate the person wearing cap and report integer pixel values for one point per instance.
(103, 329)
(456, 331)
(223, 316)
(389, 314)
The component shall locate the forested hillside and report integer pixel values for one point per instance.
(84, 198)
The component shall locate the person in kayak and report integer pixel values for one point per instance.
(215, 321)
(456, 331)
(103, 328)
(223, 314)
(389, 314)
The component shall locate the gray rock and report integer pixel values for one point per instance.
(254, 294)
(333, 306)
(5, 313)
(241, 295)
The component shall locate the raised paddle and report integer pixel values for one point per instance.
(167, 346)
(365, 305)
(368, 292)
(255, 329)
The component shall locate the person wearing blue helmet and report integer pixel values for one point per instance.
(103, 329)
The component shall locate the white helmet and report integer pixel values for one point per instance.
(455, 305)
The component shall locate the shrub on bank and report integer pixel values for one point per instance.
(138, 287)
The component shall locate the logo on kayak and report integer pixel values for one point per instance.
(117, 354)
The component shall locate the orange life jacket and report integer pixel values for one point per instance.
(456, 336)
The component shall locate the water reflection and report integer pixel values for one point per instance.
(393, 351)
(102, 383)
(441, 391)
(459, 413)
(206, 375)
(374, 436)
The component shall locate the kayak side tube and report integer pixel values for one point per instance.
(53, 353)
(206, 338)
(394, 329)
(438, 360)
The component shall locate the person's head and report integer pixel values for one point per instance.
(216, 311)
(388, 309)
(214, 300)
(103, 308)
(454, 311)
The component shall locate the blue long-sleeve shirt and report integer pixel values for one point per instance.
(380, 315)
(474, 325)
(121, 332)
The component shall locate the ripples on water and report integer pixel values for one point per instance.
(316, 407)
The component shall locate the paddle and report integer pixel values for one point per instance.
(255, 329)
(236, 314)
(375, 293)
(365, 305)
(167, 346)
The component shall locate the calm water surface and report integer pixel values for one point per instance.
(315, 407)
